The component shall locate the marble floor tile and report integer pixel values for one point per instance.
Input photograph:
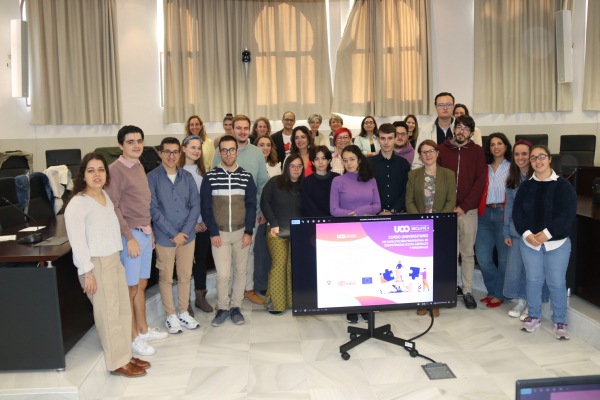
(482, 339)
(420, 390)
(558, 354)
(228, 396)
(269, 332)
(586, 368)
(344, 393)
(437, 342)
(374, 348)
(323, 349)
(114, 387)
(507, 381)
(158, 384)
(458, 323)
(269, 378)
(310, 330)
(279, 396)
(275, 353)
(499, 361)
(222, 355)
(323, 374)
(263, 317)
(475, 388)
(519, 337)
(396, 369)
(227, 333)
(218, 380)
(460, 362)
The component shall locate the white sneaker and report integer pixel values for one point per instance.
(141, 347)
(186, 320)
(172, 324)
(525, 314)
(517, 310)
(154, 334)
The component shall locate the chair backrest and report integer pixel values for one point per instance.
(533, 139)
(556, 164)
(111, 154)
(39, 204)
(63, 157)
(9, 216)
(485, 141)
(13, 166)
(577, 149)
(150, 158)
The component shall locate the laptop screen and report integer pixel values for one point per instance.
(569, 388)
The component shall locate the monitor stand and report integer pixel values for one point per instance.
(360, 335)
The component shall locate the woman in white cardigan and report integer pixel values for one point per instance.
(95, 237)
(367, 140)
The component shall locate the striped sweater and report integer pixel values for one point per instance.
(228, 200)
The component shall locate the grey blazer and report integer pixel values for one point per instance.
(445, 191)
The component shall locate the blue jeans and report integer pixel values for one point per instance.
(515, 280)
(490, 234)
(551, 266)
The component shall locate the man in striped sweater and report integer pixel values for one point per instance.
(228, 208)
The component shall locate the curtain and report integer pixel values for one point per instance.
(384, 59)
(515, 57)
(204, 72)
(74, 62)
(591, 85)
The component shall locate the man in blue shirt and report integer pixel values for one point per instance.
(175, 207)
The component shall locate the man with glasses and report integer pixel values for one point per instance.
(283, 138)
(252, 160)
(175, 208)
(441, 128)
(467, 160)
(391, 171)
(228, 207)
(403, 148)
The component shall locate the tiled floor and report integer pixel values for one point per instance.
(285, 357)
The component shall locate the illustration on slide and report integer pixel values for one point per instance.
(402, 280)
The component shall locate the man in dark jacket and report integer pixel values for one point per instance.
(461, 155)
(283, 138)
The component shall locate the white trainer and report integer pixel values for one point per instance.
(186, 320)
(141, 347)
(172, 324)
(154, 334)
(517, 310)
(525, 314)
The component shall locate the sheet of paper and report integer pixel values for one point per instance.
(8, 238)
(31, 229)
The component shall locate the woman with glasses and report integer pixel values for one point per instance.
(413, 129)
(335, 123)
(490, 224)
(355, 193)
(261, 127)
(341, 139)
(515, 284)
(280, 202)
(430, 189)
(191, 160)
(301, 143)
(316, 188)
(195, 126)
(543, 212)
(367, 140)
(461, 109)
(320, 139)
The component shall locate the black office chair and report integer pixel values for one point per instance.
(39, 204)
(578, 149)
(14, 166)
(485, 141)
(556, 164)
(69, 157)
(533, 139)
(9, 216)
(149, 158)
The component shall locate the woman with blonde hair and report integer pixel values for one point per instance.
(195, 126)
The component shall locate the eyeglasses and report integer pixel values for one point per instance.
(369, 123)
(343, 137)
(289, 120)
(228, 151)
(541, 157)
(170, 153)
(462, 129)
(401, 134)
(428, 152)
(296, 167)
(447, 105)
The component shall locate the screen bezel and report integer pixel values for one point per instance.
(446, 258)
(557, 381)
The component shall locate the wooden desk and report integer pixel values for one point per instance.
(52, 297)
(583, 177)
(585, 240)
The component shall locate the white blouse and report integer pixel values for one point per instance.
(273, 171)
(93, 230)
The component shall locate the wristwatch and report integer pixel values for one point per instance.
(249, 232)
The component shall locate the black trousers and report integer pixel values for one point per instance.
(200, 254)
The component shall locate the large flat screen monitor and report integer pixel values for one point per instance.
(373, 263)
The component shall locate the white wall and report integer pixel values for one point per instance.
(453, 54)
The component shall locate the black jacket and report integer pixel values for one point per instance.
(280, 147)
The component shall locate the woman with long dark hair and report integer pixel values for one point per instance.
(95, 238)
(543, 212)
(191, 160)
(280, 202)
(301, 143)
(413, 129)
(195, 126)
(490, 224)
(367, 139)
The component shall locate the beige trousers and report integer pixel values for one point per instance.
(467, 232)
(112, 310)
(166, 260)
(231, 254)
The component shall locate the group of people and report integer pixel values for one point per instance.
(237, 196)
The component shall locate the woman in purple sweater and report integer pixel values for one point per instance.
(355, 193)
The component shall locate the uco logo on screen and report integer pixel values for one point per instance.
(349, 236)
(406, 228)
